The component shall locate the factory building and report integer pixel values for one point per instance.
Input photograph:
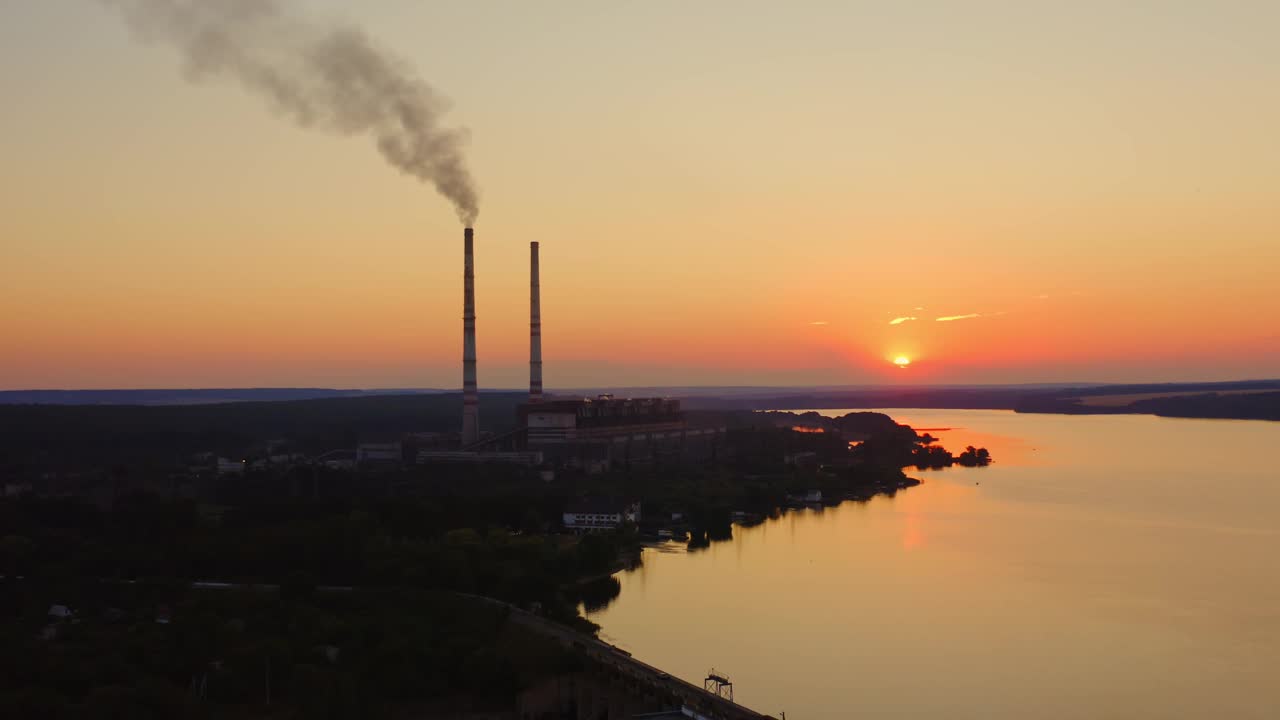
(603, 432)
(601, 419)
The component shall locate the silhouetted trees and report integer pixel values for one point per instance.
(229, 653)
(974, 457)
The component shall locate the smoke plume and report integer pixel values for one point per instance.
(331, 77)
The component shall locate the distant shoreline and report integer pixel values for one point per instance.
(1238, 400)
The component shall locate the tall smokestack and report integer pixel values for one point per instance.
(535, 327)
(470, 397)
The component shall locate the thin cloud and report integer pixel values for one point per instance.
(949, 318)
(900, 320)
(819, 322)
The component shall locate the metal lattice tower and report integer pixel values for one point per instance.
(718, 684)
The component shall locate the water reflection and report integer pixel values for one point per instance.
(1106, 566)
(596, 595)
(702, 537)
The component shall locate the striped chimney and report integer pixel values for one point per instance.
(470, 397)
(535, 327)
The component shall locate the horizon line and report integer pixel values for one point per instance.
(599, 388)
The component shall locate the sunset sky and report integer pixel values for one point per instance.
(725, 193)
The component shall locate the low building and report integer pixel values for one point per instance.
(598, 514)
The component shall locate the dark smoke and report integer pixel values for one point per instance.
(325, 76)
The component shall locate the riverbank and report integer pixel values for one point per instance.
(773, 460)
(1089, 550)
(400, 532)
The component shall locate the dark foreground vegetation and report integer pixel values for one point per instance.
(137, 585)
(164, 607)
(155, 650)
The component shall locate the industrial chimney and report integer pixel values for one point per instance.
(470, 397)
(535, 327)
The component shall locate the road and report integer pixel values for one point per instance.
(706, 704)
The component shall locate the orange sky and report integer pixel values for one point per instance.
(733, 193)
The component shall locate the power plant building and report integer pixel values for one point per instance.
(596, 433)
(601, 419)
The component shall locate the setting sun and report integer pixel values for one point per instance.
(902, 361)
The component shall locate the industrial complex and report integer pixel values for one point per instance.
(590, 433)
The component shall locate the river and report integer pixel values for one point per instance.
(1104, 567)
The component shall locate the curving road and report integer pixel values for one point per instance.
(705, 704)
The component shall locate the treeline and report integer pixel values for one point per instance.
(880, 442)
(96, 435)
(771, 458)
(344, 610)
(67, 547)
(933, 457)
(1229, 403)
(1208, 400)
(1243, 406)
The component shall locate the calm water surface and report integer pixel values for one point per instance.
(1104, 567)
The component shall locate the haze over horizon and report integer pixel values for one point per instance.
(725, 193)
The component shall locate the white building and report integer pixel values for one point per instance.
(595, 514)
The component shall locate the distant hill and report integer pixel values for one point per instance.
(1211, 399)
(1238, 401)
(194, 396)
(1246, 400)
